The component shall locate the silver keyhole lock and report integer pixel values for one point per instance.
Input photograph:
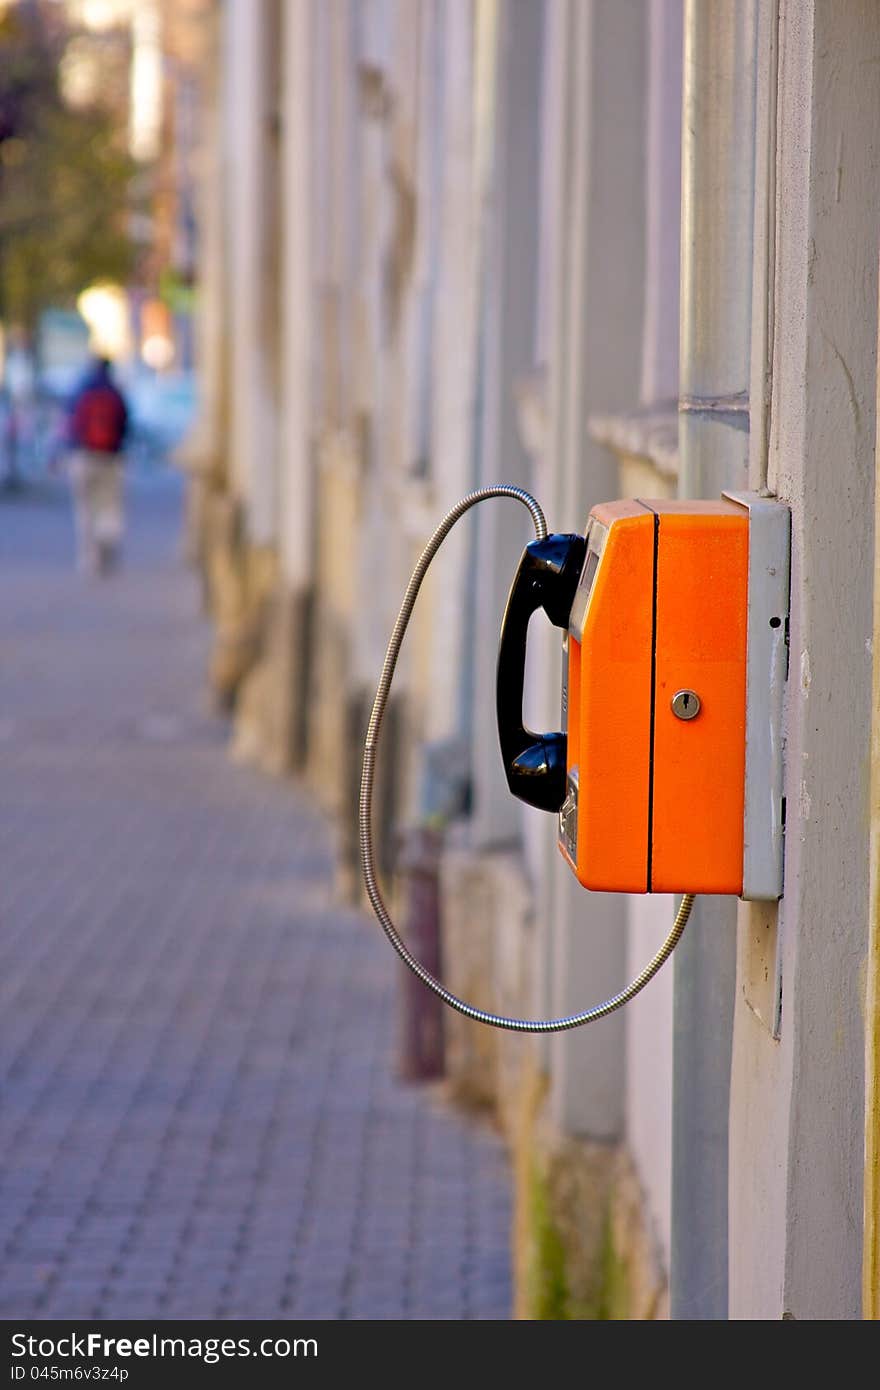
(685, 704)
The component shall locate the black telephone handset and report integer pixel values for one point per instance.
(547, 577)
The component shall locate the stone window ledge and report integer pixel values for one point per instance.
(649, 433)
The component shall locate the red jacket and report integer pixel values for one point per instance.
(100, 417)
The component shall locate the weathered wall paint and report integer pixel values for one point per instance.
(797, 1103)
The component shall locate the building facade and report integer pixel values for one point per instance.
(595, 249)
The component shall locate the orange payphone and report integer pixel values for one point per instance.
(654, 696)
(667, 773)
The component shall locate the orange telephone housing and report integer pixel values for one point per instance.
(648, 772)
(655, 699)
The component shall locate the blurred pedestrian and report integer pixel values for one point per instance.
(98, 425)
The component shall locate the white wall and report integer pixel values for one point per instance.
(649, 1060)
(296, 481)
(797, 1102)
(253, 423)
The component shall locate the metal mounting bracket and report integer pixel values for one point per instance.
(766, 674)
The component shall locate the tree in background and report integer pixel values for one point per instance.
(65, 177)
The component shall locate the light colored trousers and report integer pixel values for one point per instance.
(97, 484)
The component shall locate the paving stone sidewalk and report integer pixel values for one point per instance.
(199, 1114)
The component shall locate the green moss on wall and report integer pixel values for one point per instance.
(548, 1292)
(613, 1302)
(553, 1295)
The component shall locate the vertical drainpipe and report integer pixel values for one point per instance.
(718, 125)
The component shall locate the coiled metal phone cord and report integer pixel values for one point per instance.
(516, 1025)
